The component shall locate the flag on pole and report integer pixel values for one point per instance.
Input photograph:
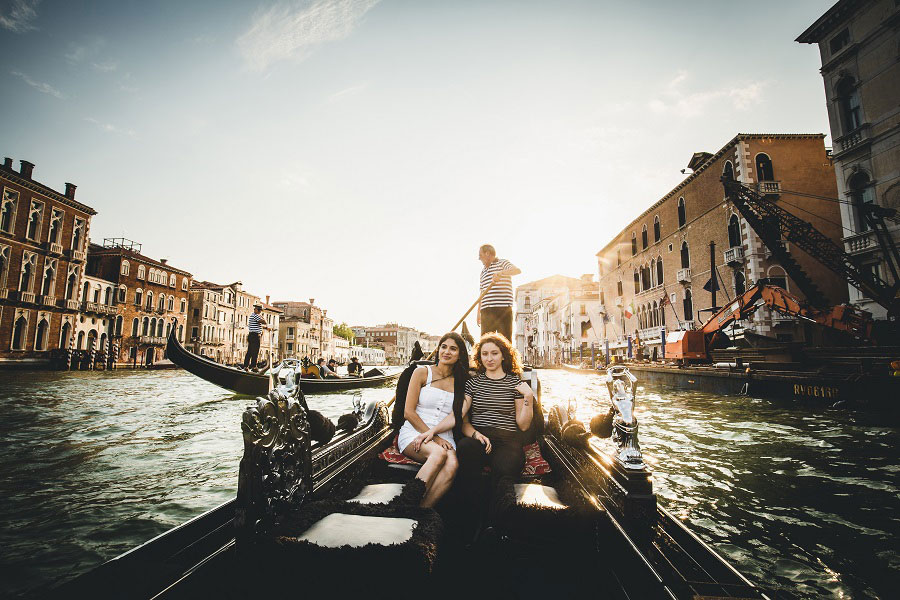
(663, 301)
(629, 310)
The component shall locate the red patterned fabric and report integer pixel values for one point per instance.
(534, 462)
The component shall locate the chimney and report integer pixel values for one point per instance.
(7, 162)
(27, 169)
(312, 301)
(164, 260)
(267, 298)
(70, 190)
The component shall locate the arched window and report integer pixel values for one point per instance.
(35, 216)
(618, 264)
(764, 170)
(184, 283)
(171, 303)
(141, 272)
(49, 277)
(847, 94)
(659, 271)
(662, 315)
(633, 244)
(861, 195)
(149, 299)
(77, 233)
(183, 305)
(159, 328)
(65, 332)
(118, 329)
(108, 297)
(91, 340)
(134, 327)
(685, 256)
(682, 215)
(728, 170)
(181, 333)
(27, 276)
(653, 283)
(56, 217)
(4, 264)
(645, 277)
(8, 210)
(80, 343)
(656, 233)
(123, 292)
(138, 296)
(734, 231)
(655, 314)
(688, 306)
(172, 280)
(18, 338)
(644, 241)
(637, 283)
(126, 266)
(161, 305)
(71, 284)
(740, 283)
(778, 277)
(96, 298)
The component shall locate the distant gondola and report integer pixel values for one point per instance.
(259, 384)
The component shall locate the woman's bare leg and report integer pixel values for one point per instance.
(433, 456)
(442, 481)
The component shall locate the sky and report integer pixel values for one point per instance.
(359, 151)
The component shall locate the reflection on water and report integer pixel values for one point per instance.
(95, 463)
(799, 497)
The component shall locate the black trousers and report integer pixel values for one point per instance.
(505, 460)
(499, 319)
(252, 350)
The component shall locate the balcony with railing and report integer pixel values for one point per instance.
(768, 187)
(860, 242)
(734, 256)
(4, 293)
(650, 334)
(48, 300)
(77, 256)
(152, 340)
(90, 307)
(56, 248)
(856, 138)
(69, 304)
(683, 275)
(26, 297)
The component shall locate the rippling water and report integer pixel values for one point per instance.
(802, 498)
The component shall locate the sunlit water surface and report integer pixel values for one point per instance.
(799, 497)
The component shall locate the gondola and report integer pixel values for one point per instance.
(581, 370)
(259, 384)
(338, 519)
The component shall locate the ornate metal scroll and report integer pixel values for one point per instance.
(276, 469)
(622, 386)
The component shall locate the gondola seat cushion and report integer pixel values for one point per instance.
(535, 511)
(378, 493)
(327, 537)
(534, 461)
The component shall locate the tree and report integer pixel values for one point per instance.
(343, 330)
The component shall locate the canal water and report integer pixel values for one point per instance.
(801, 498)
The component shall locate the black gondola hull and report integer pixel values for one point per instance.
(236, 380)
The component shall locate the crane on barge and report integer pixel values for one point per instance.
(775, 226)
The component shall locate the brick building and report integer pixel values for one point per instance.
(665, 251)
(858, 42)
(321, 330)
(151, 295)
(43, 239)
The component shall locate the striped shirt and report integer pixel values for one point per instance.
(255, 323)
(501, 295)
(493, 401)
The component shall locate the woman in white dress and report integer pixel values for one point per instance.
(435, 391)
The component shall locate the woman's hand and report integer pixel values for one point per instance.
(443, 443)
(421, 439)
(483, 439)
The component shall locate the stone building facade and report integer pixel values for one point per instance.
(665, 251)
(43, 244)
(527, 298)
(859, 43)
(100, 320)
(151, 297)
(321, 330)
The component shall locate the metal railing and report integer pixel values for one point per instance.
(768, 187)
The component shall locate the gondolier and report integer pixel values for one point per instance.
(255, 323)
(495, 311)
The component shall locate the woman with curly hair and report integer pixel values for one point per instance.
(498, 409)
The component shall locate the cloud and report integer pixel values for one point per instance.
(18, 15)
(292, 31)
(106, 66)
(110, 128)
(45, 88)
(675, 100)
(79, 53)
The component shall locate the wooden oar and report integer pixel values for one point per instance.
(461, 319)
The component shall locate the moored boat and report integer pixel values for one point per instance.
(257, 384)
(336, 518)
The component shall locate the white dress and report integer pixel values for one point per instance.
(434, 404)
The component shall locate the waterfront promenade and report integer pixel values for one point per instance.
(97, 463)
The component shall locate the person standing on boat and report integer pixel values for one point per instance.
(434, 399)
(255, 323)
(495, 312)
(355, 368)
(498, 408)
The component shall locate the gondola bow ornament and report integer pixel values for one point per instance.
(622, 386)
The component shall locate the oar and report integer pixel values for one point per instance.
(461, 319)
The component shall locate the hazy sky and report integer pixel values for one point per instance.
(359, 151)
